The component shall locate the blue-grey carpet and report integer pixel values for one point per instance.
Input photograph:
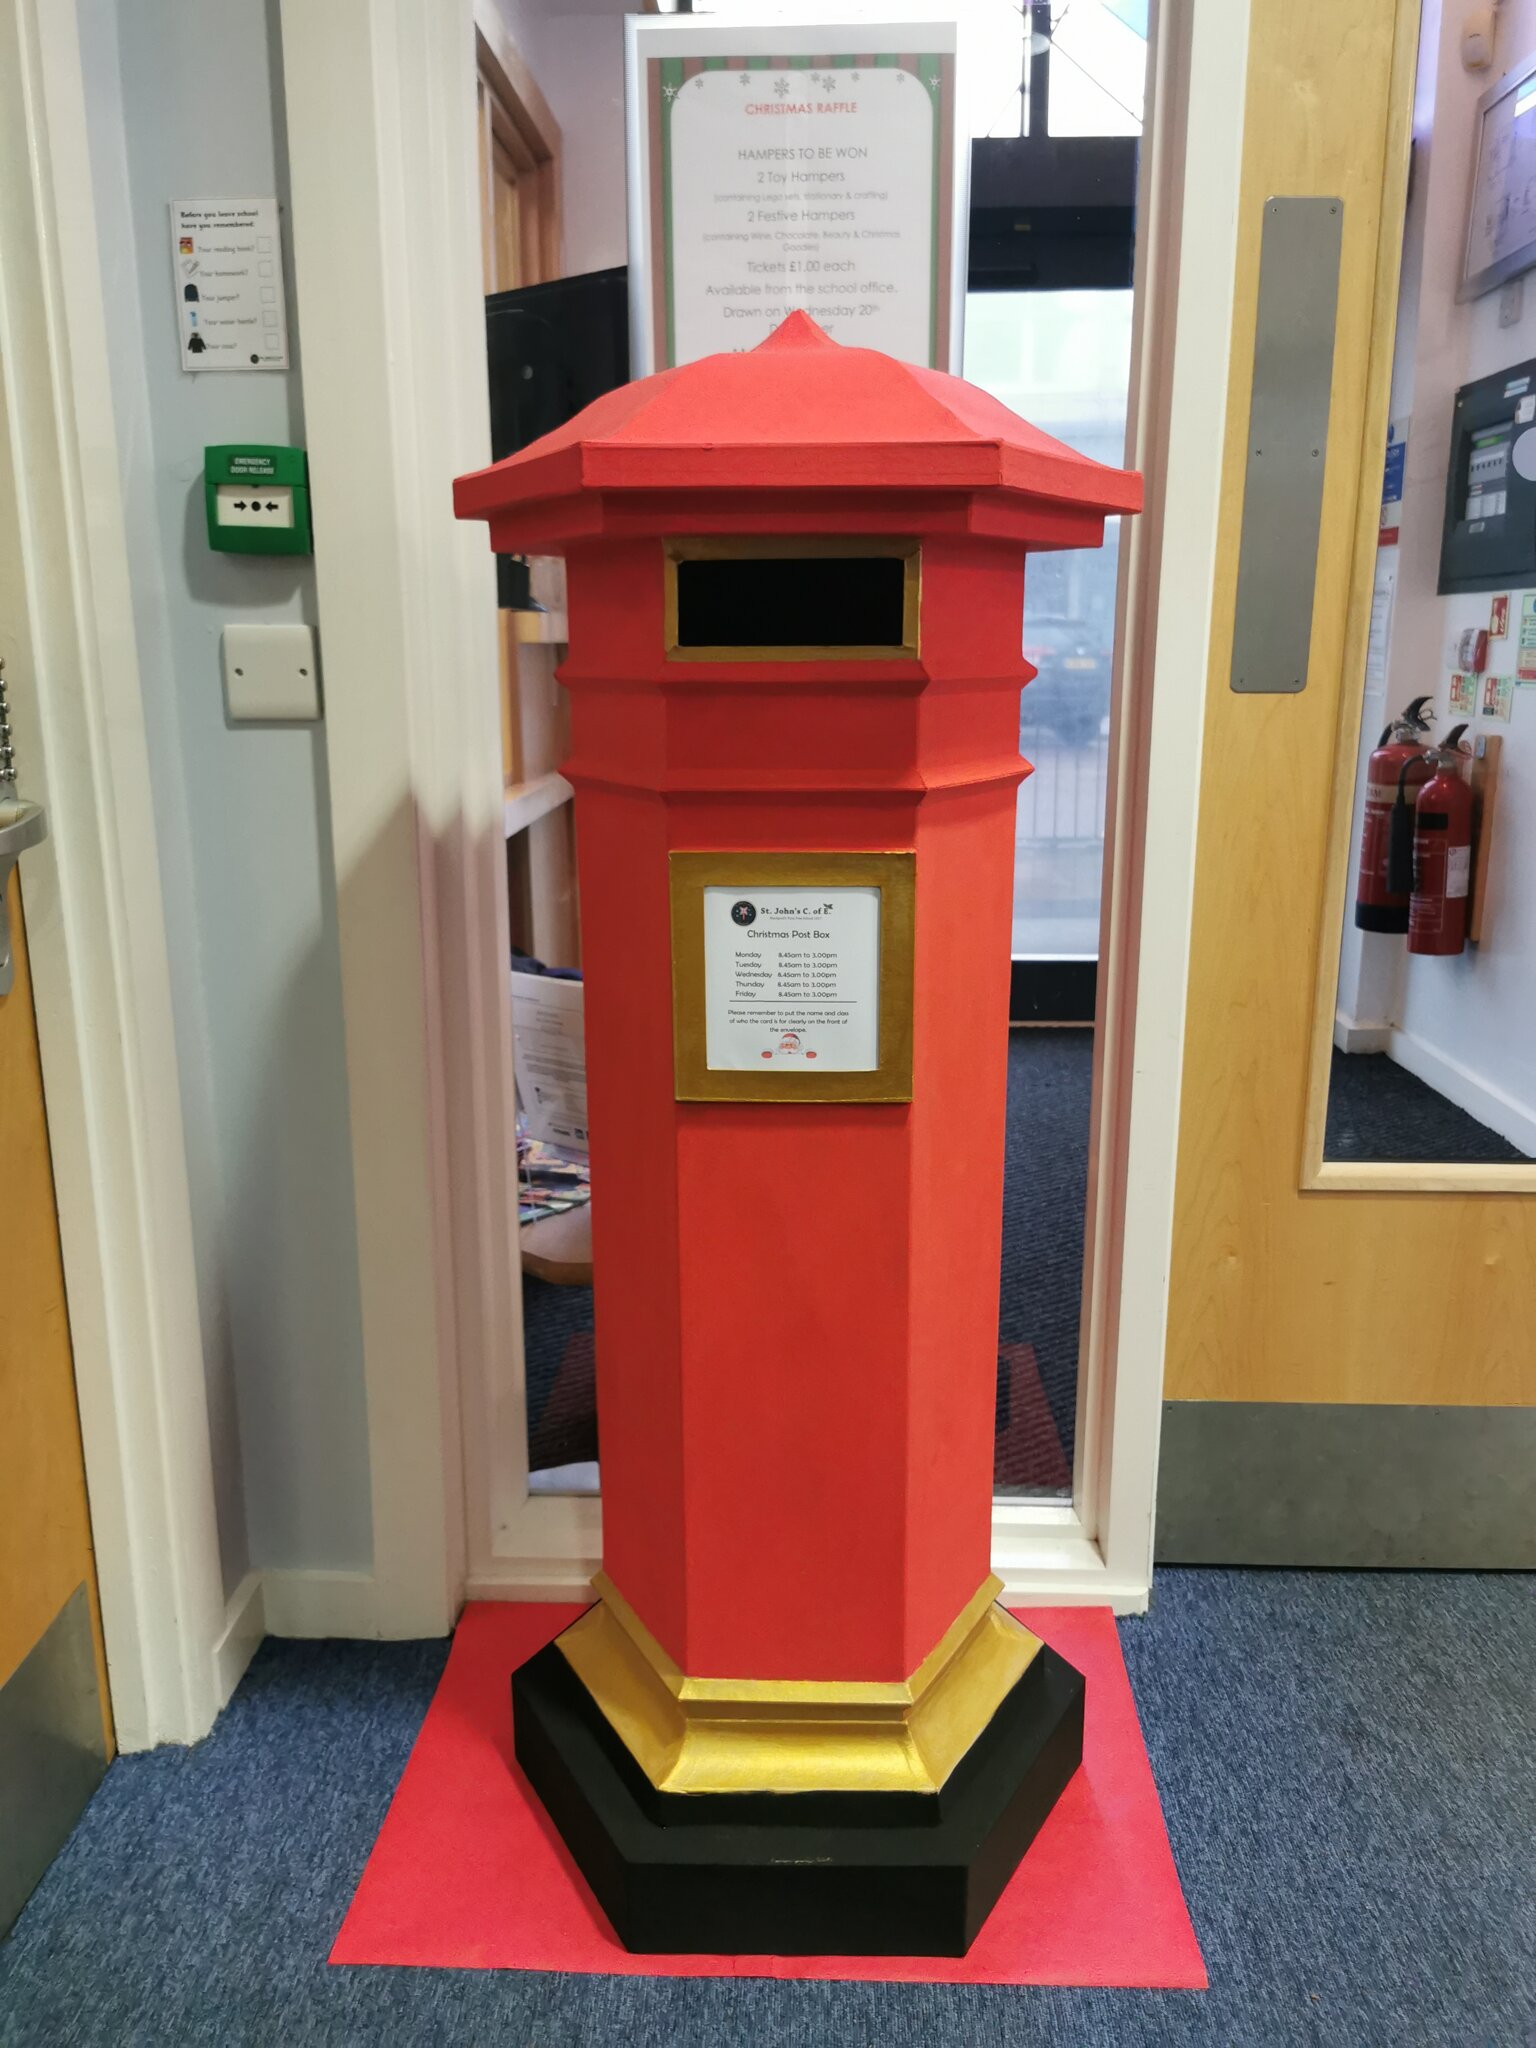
(1345, 1761)
(1380, 1112)
(1045, 1205)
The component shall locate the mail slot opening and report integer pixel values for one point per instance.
(737, 606)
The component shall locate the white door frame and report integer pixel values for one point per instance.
(1101, 1548)
(380, 112)
(380, 109)
(95, 924)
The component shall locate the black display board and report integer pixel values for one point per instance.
(1488, 541)
(551, 348)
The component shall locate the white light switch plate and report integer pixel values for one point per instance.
(271, 674)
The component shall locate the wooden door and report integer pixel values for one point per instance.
(1303, 1310)
(55, 1726)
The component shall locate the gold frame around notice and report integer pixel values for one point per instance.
(893, 874)
(700, 1735)
(787, 547)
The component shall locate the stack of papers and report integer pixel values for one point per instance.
(549, 1179)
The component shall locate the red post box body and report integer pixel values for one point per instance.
(796, 1295)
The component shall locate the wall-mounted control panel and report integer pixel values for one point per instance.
(258, 500)
(1488, 541)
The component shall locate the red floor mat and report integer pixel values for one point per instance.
(467, 1872)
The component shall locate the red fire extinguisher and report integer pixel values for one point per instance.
(1442, 853)
(1397, 769)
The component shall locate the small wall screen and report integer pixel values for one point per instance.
(1488, 470)
(1488, 541)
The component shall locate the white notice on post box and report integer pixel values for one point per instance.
(227, 258)
(792, 979)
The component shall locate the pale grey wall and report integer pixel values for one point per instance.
(186, 102)
(575, 50)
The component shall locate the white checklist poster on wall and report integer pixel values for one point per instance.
(227, 261)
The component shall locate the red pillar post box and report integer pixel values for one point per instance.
(796, 1720)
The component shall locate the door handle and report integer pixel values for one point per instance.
(21, 825)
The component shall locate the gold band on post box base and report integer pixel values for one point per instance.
(792, 1735)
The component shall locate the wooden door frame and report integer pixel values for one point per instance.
(530, 641)
(96, 928)
(530, 130)
(395, 408)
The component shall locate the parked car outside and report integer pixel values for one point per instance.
(1069, 696)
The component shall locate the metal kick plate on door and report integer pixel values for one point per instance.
(1287, 443)
(53, 1750)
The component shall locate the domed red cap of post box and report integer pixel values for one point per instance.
(797, 412)
(796, 1274)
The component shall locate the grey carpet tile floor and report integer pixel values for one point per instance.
(1345, 1760)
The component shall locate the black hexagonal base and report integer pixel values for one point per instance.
(797, 1874)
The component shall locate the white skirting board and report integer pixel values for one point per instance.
(581, 1478)
(573, 1583)
(1458, 1084)
(290, 1603)
(1350, 1035)
(554, 1579)
(321, 1603)
(245, 1623)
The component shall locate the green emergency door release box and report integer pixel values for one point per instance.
(258, 500)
